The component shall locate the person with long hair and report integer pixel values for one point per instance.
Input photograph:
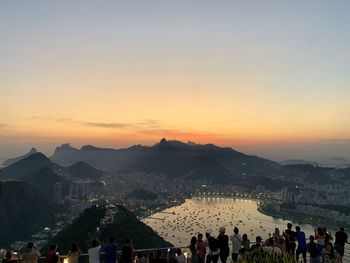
(194, 250)
(320, 238)
(73, 254)
(201, 247)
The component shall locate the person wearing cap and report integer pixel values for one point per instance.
(223, 245)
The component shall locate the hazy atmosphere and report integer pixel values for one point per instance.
(268, 78)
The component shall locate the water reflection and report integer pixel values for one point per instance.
(208, 214)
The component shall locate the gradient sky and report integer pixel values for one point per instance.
(265, 77)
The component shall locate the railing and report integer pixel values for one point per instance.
(169, 252)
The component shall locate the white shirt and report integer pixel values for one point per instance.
(236, 243)
(180, 259)
(94, 254)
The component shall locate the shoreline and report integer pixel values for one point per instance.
(301, 218)
(297, 218)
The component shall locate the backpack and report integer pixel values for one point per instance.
(213, 244)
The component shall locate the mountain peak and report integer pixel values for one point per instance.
(16, 159)
(163, 141)
(32, 150)
(65, 147)
(30, 164)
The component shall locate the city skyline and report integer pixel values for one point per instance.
(266, 78)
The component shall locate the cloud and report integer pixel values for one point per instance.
(105, 124)
(144, 124)
(3, 125)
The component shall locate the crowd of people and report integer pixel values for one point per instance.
(320, 247)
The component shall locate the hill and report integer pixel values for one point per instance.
(36, 170)
(125, 225)
(101, 158)
(16, 159)
(312, 173)
(24, 211)
(82, 170)
(28, 165)
(143, 194)
(172, 159)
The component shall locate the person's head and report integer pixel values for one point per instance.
(277, 231)
(95, 242)
(74, 247)
(139, 254)
(53, 248)
(242, 251)
(320, 231)
(178, 251)
(245, 237)
(200, 237)
(127, 242)
(207, 235)
(30, 245)
(328, 246)
(297, 228)
(150, 255)
(341, 229)
(193, 241)
(236, 230)
(8, 254)
(312, 238)
(289, 226)
(258, 239)
(222, 230)
(111, 240)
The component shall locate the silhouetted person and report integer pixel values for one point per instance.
(73, 254)
(213, 254)
(313, 251)
(223, 245)
(302, 247)
(201, 248)
(94, 251)
(110, 250)
(290, 239)
(340, 239)
(127, 249)
(53, 255)
(31, 254)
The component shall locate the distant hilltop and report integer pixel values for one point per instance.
(13, 160)
(174, 159)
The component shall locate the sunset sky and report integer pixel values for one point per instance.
(270, 78)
